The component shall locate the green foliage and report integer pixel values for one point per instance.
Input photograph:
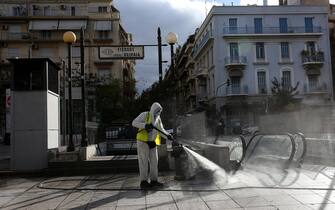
(283, 95)
(114, 102)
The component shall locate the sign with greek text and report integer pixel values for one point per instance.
(121, 52)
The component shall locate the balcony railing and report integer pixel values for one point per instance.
(201, 72)
(317, 57)
(237, 90)
(202, 42)
(7, 36)
(58, 12)
(315, 89)
(235, 60)
(270, 30)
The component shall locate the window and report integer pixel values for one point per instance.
(104, 73)
(235, 85)
(261, 80)
(13, 52)
(308, 24)
(102, 9)
(17, 11)
(45, 34)
(46, 11)
(46, 53)
(311, 47)
(73, 11)
(232, 25)
(286, 79)
(260, 52)
(103, 34)
(313, 83)
(258, 24)
(283, 28)
(284, 49)
(75, 52)
(234, 54)
(211, 56)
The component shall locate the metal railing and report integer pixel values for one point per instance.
(14, 36)
(235, 60)
(271, 30)
(237, 90)
(315, 58)
(315, 89)
(200, 44)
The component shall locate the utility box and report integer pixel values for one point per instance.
(35, 112)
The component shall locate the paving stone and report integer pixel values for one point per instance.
(222, 204)
(326, 206)
(214, 196)
(293, 207)
(193, 205)
(162, 206)
(131, 207)
(311, 199)
(281, 200)
(157, 200)
(252, 201)
(241, 193)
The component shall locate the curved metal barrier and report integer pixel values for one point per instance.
(261, 135)
(300, 159)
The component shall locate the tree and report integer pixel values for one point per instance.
(283, 95)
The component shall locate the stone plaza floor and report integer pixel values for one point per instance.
(257, 188)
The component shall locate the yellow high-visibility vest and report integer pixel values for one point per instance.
(142, 134)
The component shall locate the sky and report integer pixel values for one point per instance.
(141, 18)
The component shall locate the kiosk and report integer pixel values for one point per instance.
(35, 115)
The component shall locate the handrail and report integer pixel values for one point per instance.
(304, 145)
(293, 149)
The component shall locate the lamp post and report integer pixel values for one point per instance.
(172, 39)
(83, 98)
(69, 38)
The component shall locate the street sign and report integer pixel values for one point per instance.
(122, 52)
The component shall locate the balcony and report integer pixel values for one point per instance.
(312, 61)
(7, 36)
(236, 90)
(317, 89)
(201, 43)
(235, 65)
(270, 31)
(57, 12)
(201, 73)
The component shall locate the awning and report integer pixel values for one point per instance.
(103, 25)
(72, 24)
(43, 25)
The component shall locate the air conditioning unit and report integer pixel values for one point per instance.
(25, 36)
(4, 27)
(35, 46)
(3, 44)
(63, 7)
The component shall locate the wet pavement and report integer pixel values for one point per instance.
(253, 187)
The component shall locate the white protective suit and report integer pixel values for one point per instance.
(145, 155)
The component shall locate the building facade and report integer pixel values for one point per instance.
(34, 29)
(252, 45)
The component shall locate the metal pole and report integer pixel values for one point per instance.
(64, 103)
(83, 98)
(172, 62)
(159, 39)
(69, 71)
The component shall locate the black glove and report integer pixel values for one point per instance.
(170, 137)
(151, 144)
(149, 127)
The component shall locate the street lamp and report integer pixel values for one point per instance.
(172, 39)
(69, 38)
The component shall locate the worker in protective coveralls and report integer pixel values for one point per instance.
(147, 140)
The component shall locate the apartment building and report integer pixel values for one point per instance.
(34, 29)
(252, 45)
(184, 66)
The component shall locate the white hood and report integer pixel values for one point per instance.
(155, 108)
